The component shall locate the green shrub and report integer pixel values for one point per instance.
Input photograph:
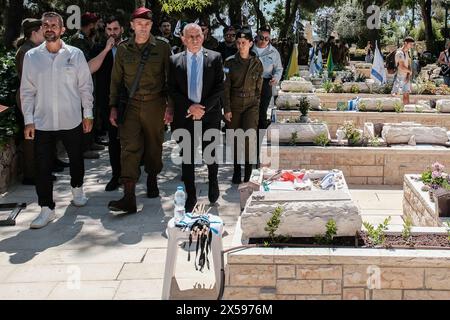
(321, 140)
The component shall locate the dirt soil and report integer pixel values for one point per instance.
(362, 240)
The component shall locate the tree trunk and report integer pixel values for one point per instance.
(259, 13)
(234, 11)
(290, 9)
(425, 7)
(13, 20)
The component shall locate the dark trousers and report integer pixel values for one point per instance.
(266, 96)
(188, 167)
(114, 150)
(45, 145)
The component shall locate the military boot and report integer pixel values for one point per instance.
(128, 203)
(152, 186)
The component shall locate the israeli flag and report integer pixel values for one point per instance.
(378, 72)
(315, 64)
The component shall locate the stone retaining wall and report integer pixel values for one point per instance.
(335, 274)
(417, 205)
(9, 161)
(360, 165)
(335, 119)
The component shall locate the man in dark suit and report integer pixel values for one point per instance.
(101, 66)
(196, 84)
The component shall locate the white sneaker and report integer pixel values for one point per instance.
(79, 199)
(45, 217)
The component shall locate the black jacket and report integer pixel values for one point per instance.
(212, 91)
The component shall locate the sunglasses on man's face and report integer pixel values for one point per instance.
(262, 38)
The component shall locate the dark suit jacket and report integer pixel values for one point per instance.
(212, 91)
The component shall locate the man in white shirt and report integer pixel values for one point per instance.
(55, 82)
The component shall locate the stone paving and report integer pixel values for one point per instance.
(123, 257)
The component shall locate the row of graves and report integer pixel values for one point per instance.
(303, 233)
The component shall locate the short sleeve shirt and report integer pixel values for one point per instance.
(401, 56)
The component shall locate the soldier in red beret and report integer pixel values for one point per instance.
(141, 128)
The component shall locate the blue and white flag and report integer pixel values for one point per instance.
(378, 72)
(315, 61)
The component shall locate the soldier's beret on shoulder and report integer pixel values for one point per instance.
(142, 13)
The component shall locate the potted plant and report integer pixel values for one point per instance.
(303, 106)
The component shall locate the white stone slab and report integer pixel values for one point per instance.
(402, 133)
(306, 132)
(297, 86)
(289, 100)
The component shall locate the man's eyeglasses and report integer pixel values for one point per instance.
(230, 35)
(262, 38)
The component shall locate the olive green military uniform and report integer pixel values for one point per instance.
(82, 42)
(28, 145)
(142, 132)
(211, 43)
(243, 86)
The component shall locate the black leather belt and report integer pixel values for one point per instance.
(243, 94)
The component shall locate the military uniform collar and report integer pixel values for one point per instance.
(151, 40)
(238, 57)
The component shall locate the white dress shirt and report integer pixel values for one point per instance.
(53, 90)
(199, 75)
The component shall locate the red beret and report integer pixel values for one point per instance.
(143, 13)
(89, 17)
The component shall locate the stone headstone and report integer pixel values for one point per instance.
(305, 132)
(443, 105)
(401, 133)
(304, 213)
(297, 86)
(386, 103)
(288, 101)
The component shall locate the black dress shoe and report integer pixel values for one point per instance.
(113, 184)
(213, 191)
(61, 163)
(190, 203)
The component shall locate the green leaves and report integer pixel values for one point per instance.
(377, 235)
(169, 6)
(274, 222)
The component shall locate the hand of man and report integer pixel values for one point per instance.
(110, 43)
(29, 131)
(113, 116)
(228, 116)
(87, 125)
(273, 82)
(196, 111)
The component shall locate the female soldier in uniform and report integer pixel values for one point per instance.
(243, 85)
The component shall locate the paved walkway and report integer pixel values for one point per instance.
(123, 257)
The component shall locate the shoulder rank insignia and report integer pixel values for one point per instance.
(162, 39)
